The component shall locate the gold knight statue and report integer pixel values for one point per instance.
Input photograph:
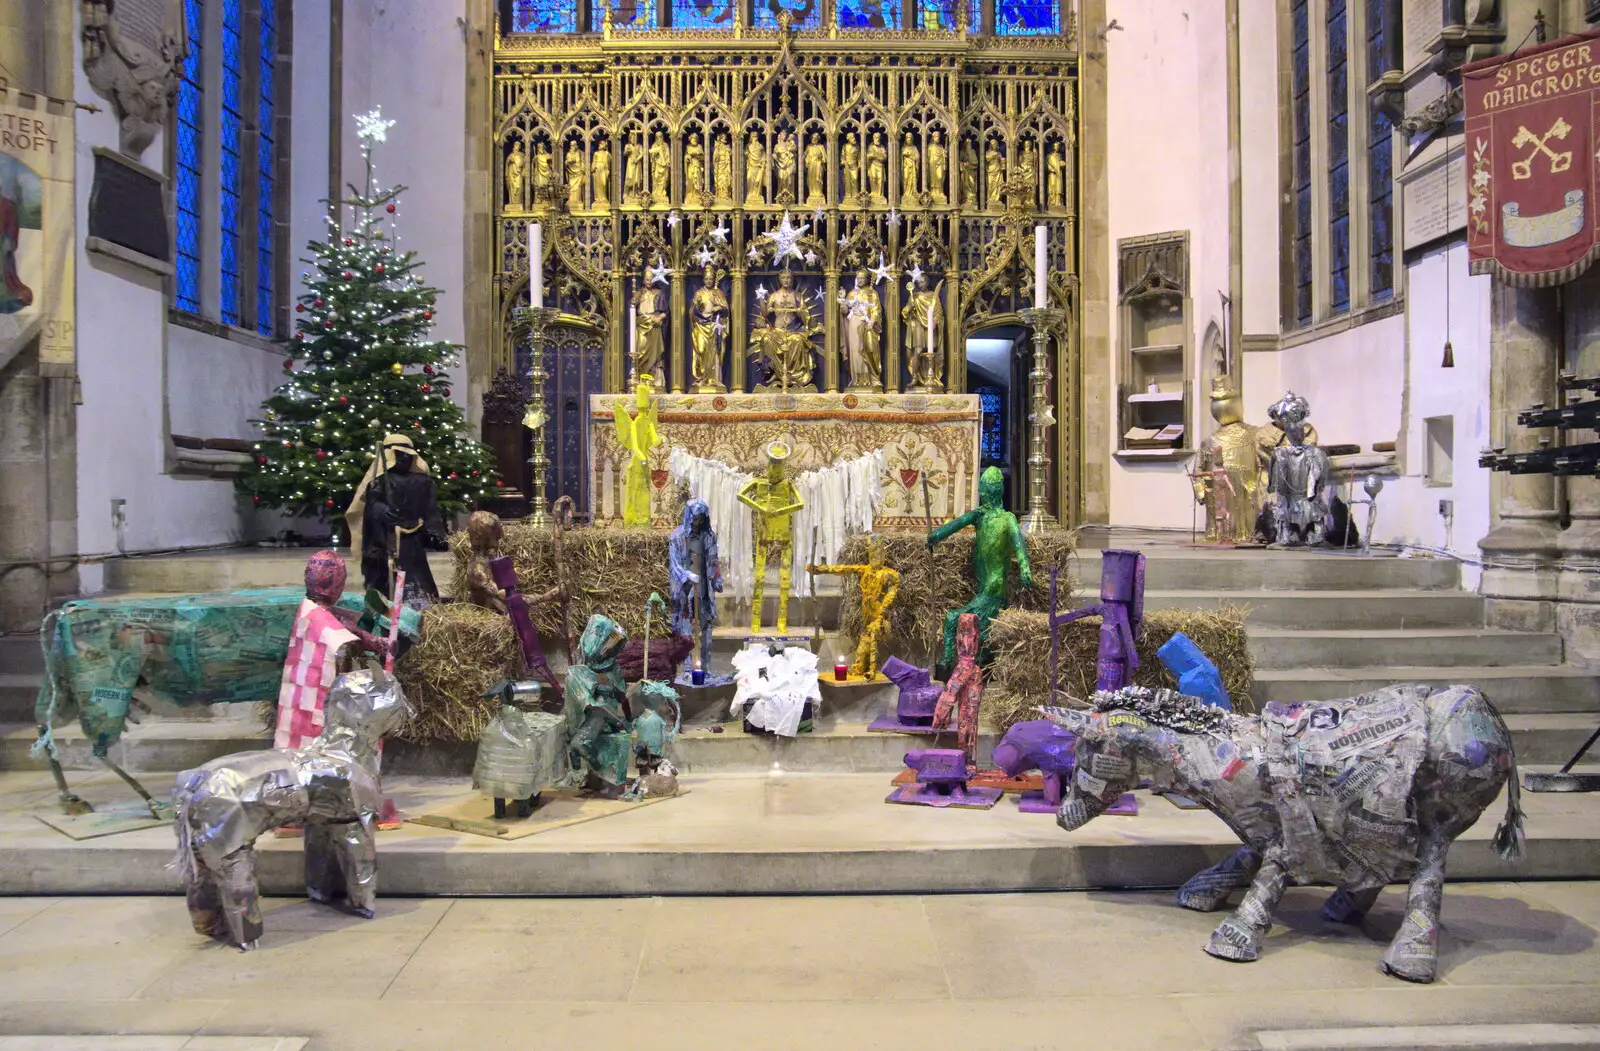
(1225, 473)
(774, 500)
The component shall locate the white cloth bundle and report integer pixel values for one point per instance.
(773, 690)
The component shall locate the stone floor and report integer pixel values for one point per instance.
(1097, 970)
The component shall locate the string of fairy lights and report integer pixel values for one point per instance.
(366, 367)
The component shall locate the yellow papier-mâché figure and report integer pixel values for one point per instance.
(879, 586)
(638, 433)
(774, 499)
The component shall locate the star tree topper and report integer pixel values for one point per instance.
(371, 128)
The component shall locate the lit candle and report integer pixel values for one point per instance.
(1041, 256)
(841, 672)
(535, 265)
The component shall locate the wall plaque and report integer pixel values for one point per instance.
(1421, 22)
(128, 206)
(1433, 202)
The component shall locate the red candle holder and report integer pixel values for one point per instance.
(841, 672)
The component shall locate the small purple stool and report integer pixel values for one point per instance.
(942, 781)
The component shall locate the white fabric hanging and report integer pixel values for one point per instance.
(773, 690)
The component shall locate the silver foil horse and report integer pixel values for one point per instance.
(330, 787)
(1358, 793)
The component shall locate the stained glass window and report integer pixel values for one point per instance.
(868, 14)
(229, 160)
(1301, 116)
(636, 14)
(942, 14)
(703, 14)
(1026, 17)
(1338, 158)
(1380, 162)
(188, 147)
(266, 173)
(992, 402)
(546, 16)
(803, 14)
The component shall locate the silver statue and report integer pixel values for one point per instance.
(1298, 478)
(330, 787)
(1372, 486)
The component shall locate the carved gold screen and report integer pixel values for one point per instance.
(647, 153)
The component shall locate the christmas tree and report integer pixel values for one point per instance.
(361, 365)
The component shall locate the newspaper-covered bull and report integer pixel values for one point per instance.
(1359, 793)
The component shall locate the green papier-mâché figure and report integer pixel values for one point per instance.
(999, 540)
(598, 728)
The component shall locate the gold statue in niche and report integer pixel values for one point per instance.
(863, 327)
(575, 179)
(938, 165)
(877, 171)
(782, 335)
(994, 172)
(1030, 175)
(1226, 478)
(787, 155)
(755, 170)
(969, 176)
(722, 171)
(660, 172)
(708, 327)
(694, 173)
(816, 164)
(850, 169)
(1056, 184)
(633, 164)
(910, 172)
(650, 344)
(924, 345)
(544, 174)
(600, 168)
(516, 179)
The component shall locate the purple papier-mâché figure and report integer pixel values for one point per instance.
(1121, 613)
(918, 698)
(942, 781)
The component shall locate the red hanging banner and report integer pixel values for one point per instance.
(1532, 125)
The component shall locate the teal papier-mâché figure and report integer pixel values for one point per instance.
(599, 732)
(999, 540)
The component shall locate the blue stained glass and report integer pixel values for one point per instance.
(803, 14)
(229, 161)
(188, 150)
(1338, 159)
(1300, 110)
(636, 14)
(991, 401)
(703, 14)
(546, 16)
(943, 14)
(1026, 17)
(266, 168)
(868, 14)
(1380, 170)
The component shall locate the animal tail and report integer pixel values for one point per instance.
(1509, 841)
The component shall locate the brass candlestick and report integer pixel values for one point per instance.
(1041, 416)
(537, 319)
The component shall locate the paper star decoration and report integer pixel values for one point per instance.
(915, 274)
(754, 253)
(880, 272)
(894, 218)
(657, 274)
(705, 255)
(371, 127)
(844, 240)
(761, 293)
(719, 328)
(786, 239)
(811, 257)
(674, 219)
(819, 215)
(720, 232)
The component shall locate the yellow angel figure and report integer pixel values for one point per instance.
(638, 433)
(879, 586)
(774, 500)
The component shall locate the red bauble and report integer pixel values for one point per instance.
(327, 324)
(427, 315)
(255, 499)
(343, 400)
(329, 502)
(426, 388)
(322, 454)
(288, 365)
(261, 459)
(416, 425)
(498, 482)
(347, 275)
(348, 242)
(316, 302)
(474, 474)
(299, 308)
(380, 268)
(444, 392)
(427, 370)
(454, 476)
(389, 207)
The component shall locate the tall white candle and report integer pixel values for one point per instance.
(1041, 258)
(930, 327)
(633, 339)
(536, 264)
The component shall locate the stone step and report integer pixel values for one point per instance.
(1173, 568)
(732, 834)
(21, 653)
(1337, 608)
(1514, 688)
(18, 692)
(1544, 739)
(1365, 648)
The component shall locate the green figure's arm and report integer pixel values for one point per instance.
(1019, 548)
(955, 525)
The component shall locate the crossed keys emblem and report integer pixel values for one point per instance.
(1559, 162)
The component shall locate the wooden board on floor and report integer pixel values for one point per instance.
(109, 820)
(558, 808)
(1029, 782)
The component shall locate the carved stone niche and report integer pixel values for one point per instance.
(133, 52)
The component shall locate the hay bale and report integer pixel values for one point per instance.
(610, 570)
(464, 650)
(1019, 678)
(916, 619)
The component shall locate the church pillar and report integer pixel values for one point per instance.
(616, 371)
(1520, 572)
(830, 329)
(679, 312)
(1578, 614)
(955, 369)
(741, 331)
(891, 311)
